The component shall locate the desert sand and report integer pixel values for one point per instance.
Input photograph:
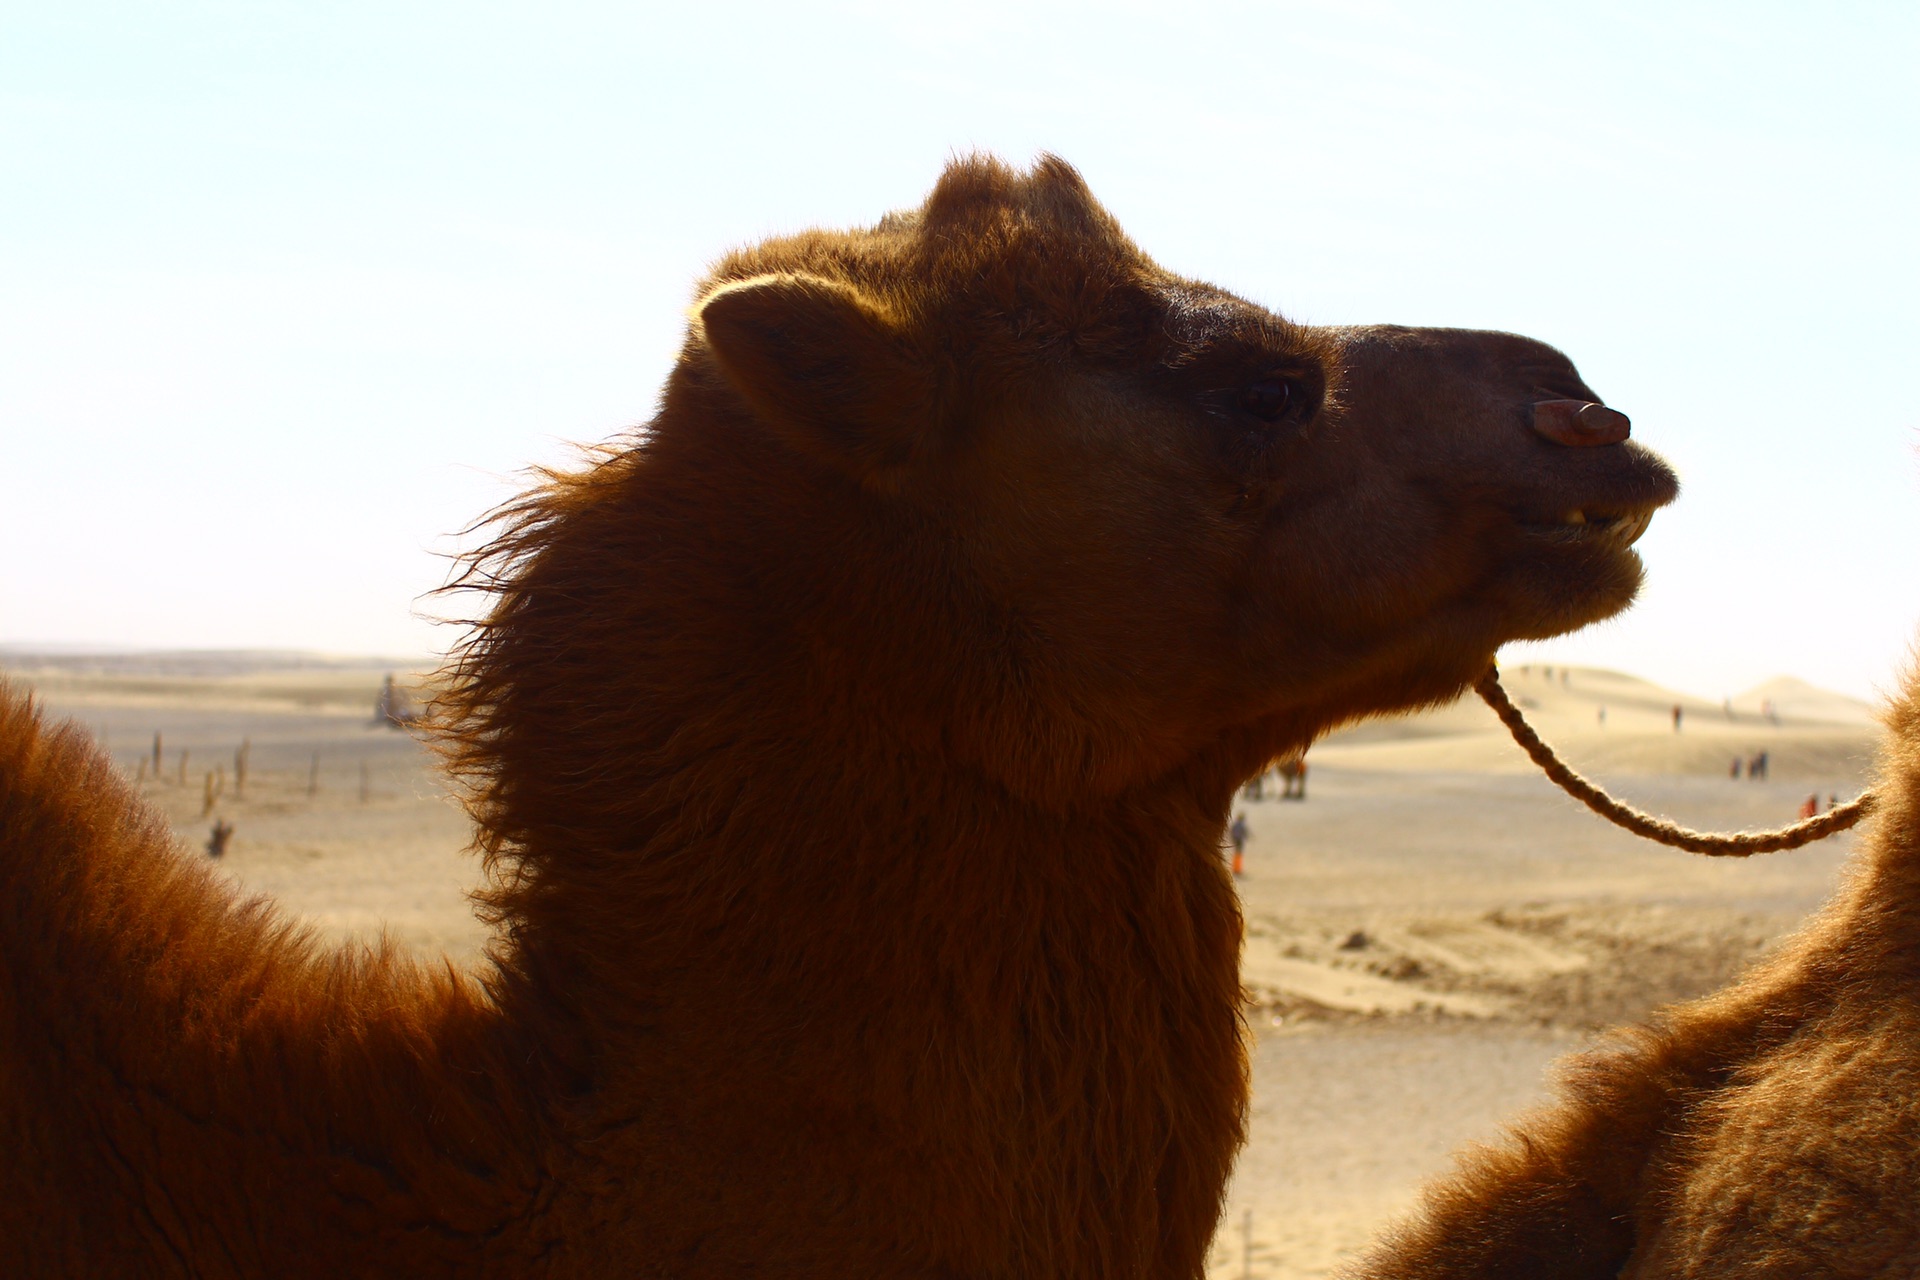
(1426, 932)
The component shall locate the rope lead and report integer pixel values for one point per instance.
(1739, 844)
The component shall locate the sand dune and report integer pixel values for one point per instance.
(1424, 933)
(1796, 700)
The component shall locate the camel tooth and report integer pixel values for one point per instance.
(1632, 525)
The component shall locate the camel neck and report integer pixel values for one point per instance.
(913, 955)
(767, 873)
(775, 860)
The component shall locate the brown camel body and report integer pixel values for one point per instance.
(1771, 1129)
(851, 750)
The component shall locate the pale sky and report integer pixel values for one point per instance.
(288, 293)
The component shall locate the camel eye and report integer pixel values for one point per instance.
(1269, 399)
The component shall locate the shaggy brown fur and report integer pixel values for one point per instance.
(851, 751)
(1769, 1130)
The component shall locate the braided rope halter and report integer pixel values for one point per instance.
(1739, 844)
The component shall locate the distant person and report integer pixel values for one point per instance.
(1676, 717)
(1293, 777)
(1601, 715)
(217, 840)
(1734, 771)
(1810, 806)
(1757, 767)
(1237, 833)
(1833, 801)
(393, 705)
(1256, 788)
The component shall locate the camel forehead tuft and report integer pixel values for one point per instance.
(982, 189)
(989, 238)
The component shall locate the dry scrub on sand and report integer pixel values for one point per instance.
(850, 750)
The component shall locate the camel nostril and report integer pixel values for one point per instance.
(1599, 421)
(1580, 423)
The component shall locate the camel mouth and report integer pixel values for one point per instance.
(1606, 507)
(1587, 525)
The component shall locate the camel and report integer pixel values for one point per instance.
(849, 749)
(1770, 1129)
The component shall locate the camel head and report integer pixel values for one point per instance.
(1115, 516)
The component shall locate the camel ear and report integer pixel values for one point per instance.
(828, 367)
